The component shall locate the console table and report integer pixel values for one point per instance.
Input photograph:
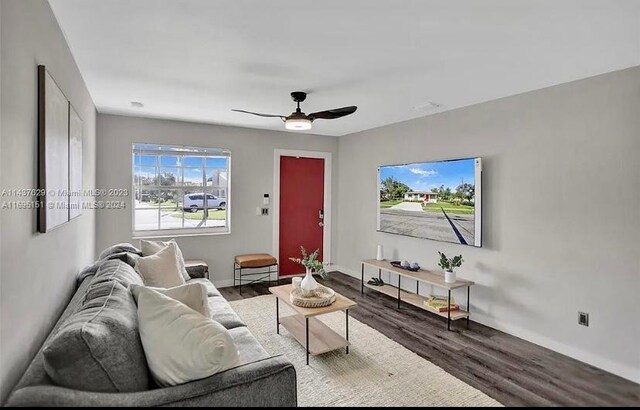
(415, 299)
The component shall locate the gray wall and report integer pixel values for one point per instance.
(561, 222)
(251, 174)
(37, 271)
(561, 193)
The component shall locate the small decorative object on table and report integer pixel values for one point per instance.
(311, 263)
(295, 281)
(375, 282)
(448, 264)
(379, 256)
(439, 303)
(320, 297)
(414, 267)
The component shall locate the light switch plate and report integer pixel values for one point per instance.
(583, 319)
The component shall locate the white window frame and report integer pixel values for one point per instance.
(173, 232)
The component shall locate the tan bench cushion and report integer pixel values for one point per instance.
(255, 260)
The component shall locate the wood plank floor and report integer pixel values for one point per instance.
(511, 370)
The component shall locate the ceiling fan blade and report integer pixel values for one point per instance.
(282, 117)
(333, 114)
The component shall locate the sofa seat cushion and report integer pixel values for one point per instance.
(255, 260)
(248, 346)
(222, 313)
(211, 289)
(98, 347)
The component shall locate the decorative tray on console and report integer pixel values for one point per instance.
(398, 264)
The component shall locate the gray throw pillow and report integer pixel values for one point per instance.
(98, 348)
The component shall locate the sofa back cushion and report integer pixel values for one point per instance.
(98, 348)
(116, 270)
(119, 248)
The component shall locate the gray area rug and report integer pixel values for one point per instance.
(376, 372)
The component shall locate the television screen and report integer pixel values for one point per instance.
(432, 200)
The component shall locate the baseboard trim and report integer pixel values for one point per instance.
(625, 372)
(342, 269)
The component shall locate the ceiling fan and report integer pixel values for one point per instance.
(300, 121)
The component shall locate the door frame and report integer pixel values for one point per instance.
(326, 230)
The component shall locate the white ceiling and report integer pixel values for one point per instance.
(195, 60)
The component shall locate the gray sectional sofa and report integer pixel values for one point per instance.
(93, 356)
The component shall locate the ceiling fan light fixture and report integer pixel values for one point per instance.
(297, 124)
(298, 120)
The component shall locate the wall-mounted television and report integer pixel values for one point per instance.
(440, 200)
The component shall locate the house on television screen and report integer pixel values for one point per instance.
(423, 196)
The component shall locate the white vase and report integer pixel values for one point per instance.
(308, 284)
(449, 277)
(379, 256)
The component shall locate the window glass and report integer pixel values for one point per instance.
(169, 160)
(193, 176)
(170, 184)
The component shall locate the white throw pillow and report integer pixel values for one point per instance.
(193, 295)
(151, 247)
(180, 344)
(161, 270)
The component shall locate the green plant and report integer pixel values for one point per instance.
(310, 261)
(449, 263)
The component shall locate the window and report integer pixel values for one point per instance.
(170, 184)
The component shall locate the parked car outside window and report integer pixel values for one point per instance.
(195, 202)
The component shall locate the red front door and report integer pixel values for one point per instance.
(301, 202)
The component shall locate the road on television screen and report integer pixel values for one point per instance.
(440, 226)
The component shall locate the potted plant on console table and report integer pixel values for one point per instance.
(311, 263)
(448, 264)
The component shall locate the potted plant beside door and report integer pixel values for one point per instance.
(311, 264)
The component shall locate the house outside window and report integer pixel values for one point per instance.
(180, 190)
(424, 196)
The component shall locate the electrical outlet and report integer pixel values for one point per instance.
(583, 319)
(265, 211)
